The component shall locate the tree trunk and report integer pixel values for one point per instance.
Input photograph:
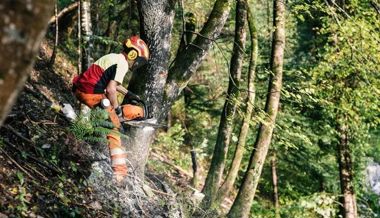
(54, 54)
(159, 87)
(188, 61)
(19, 42)
(276, 202)
(242, 204)
(188, 31)
(79, 38)
(86, 26)
(156, 20)
(194, 164)
(215, 173)
(188, 137)
(225, 189)
(348, 202)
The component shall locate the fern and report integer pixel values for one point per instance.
(93, 127)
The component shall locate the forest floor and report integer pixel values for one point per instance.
(42, 171)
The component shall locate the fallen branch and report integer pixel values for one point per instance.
(63, 12)
(15, 163)
(162, 193)
(179, 169)
(18, 134)
(37, 172)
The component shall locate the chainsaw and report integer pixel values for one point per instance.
(138, 114)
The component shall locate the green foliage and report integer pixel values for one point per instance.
(173, 138)
(21, 194)
(172, 142)
(92, 127)
(318, 205)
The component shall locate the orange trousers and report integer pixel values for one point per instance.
(117, 151)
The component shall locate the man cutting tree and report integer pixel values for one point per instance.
(102, 80)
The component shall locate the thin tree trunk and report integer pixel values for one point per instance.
(19, 42)
(79, 39)
(188, 138)
(348, 201)
(87, 32)
(188, 61)
(226, 188)
(215, 173)
(276, 202)
(348, 207)
(53, 55)
(242, 204)
(188, 31)
(195, 179)
(169, 121)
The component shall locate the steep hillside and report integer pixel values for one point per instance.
(44, 169)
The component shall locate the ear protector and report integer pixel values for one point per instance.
(132, 54)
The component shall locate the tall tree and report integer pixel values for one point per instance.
(227, 185)
(242, 204)
(159, 85)
(19, 43)
(348, 200)
(215, 173)
(349, 86)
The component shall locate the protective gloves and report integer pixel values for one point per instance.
(119, 111)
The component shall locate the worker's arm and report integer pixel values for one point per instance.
(111, 93)
(130, 95)
(121, 89)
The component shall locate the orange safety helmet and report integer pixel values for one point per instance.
(137, 51)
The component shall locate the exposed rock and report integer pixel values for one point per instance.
(373, 177)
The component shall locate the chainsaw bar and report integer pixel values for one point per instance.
(144, 123)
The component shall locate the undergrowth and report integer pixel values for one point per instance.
(93, 126)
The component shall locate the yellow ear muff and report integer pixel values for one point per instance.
(132, 55)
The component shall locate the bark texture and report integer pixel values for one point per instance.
(242, 204)
(156, 20)
(348, 201)
(226, 188)
(276, 202)
(19, 42)
(54, 54)
(159, 86)
(79, 38)
(86, 25)
(215, 173)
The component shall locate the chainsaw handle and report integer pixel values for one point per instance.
(126, 100)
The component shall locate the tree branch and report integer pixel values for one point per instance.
(64, 11)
